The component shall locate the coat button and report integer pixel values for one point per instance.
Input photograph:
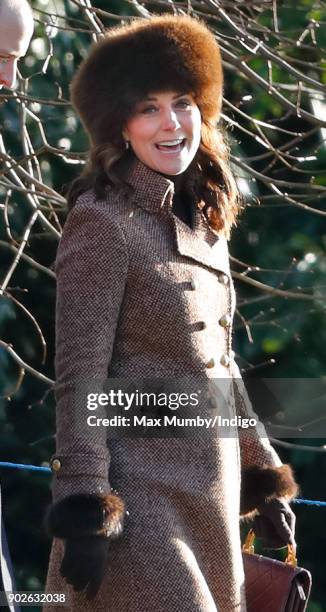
(225, 360)
(223, 278)
(55, 465)
(210, 363)
(225, 320)
(193, 284)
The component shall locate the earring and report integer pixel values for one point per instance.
(127, 144)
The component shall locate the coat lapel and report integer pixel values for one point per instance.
(154, 193)
(202, 244)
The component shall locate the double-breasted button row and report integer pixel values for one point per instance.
(224, 360)
(224, 321)
(222, 278)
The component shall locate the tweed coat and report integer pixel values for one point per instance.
(139, 293)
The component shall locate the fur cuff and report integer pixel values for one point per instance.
(83, 515)
(260, 484)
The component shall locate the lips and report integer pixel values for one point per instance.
(172, 146)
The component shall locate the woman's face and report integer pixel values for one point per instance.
(164, 132)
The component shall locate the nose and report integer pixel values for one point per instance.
(8, 73)
(170, 120)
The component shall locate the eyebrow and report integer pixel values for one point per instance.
(151, 99)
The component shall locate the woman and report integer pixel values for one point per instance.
(145, 291)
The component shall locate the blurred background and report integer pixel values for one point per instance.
(274, 117)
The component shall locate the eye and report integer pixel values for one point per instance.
(148, 110)
(184, 103)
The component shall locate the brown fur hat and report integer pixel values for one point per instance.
(168, 52)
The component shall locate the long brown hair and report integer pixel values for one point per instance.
(208, 180)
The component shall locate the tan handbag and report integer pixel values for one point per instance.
(271, 585)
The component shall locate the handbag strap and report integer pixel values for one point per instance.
(249, 547)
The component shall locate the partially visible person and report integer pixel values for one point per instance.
(145, 295)
(16, 30)
(6, 572)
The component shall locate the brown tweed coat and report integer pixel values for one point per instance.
(141, 294)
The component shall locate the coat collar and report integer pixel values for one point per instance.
(154, 193)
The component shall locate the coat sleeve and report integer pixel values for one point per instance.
(91, 268)
(255, 447)
(263, 476)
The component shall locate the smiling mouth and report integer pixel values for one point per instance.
(172, 146)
